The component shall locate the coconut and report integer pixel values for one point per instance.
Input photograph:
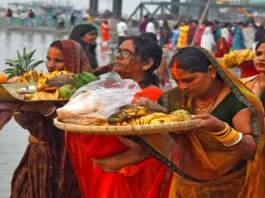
(60, 80)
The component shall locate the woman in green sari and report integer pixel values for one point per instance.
(221, 156)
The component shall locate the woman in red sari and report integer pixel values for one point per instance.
(45, 171)
(111, 166)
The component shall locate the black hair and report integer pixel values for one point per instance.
(191, 59)
(151, 19)
(146, 49)
(80, 30)
(196, 22)
(176, 26)
(57, 44)
(258, 44)
(226, 25)
(150, 35)
(77, 33)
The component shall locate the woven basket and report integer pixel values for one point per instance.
(128, 130)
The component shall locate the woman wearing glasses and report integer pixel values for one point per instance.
(111, 166)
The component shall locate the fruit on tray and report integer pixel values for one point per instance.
(137, 115)
(21, 65)
(43, 81)
(83, 79)
(235, 58)
(67, 91)
(3, 78)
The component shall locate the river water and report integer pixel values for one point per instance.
(13, 139)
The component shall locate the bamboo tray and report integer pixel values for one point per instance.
(128, 130)
(9, 92)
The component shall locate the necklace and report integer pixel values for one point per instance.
(211, 101)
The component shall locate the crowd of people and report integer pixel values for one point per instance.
(224, 156)
(28, 18)
(217, 37)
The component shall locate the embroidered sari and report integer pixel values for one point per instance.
(140, 180)
(205, 167)
(45, 171)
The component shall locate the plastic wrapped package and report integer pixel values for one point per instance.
(93, 103)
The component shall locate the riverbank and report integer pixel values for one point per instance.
(34, 29)
(13, 142)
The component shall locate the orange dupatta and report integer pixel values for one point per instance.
(251, 179)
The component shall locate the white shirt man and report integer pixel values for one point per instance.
(122, 30)
(150, 27)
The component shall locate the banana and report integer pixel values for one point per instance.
(250, 56)
(124, 123)
(148, 118)
(132, 112)
(62, 72)
(34, 76)
(166, 119)
(245, 53)
(40, 74)
(22, 79)
(114, 120)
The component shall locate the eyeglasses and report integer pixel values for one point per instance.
(123, 53)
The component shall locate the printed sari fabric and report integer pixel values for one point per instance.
(141, 180)
(45, 170)
(211, 169)
(183, 36)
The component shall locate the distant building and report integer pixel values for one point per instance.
(236, 1)
(256, 1)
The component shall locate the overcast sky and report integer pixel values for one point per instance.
(128, 5)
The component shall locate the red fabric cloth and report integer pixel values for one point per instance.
(142, 180)
(104, 32)
(248, 69)
(221, 48)
(199, 36)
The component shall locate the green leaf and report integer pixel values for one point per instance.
(31, 54)
(25, 58)
(30, 61)
(35, 64)
(21, 61)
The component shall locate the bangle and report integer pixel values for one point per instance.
(224, 131)
(237, 141)
(228, 137)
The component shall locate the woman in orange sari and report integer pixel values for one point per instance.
(222, 156)
(112, 166)
(104, 32)
(45, 171)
